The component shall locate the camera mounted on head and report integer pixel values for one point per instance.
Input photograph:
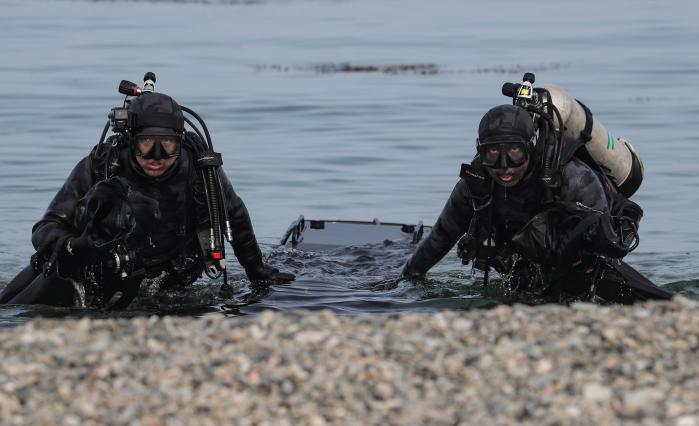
(154, 114)
(147, 112)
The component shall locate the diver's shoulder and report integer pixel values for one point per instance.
(578, 180)
(576, 167)
(474, 181)
(473, 172)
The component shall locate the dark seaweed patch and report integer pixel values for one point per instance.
(421, 69)
(346, 67)
(519, 68)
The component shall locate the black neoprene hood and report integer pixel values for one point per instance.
(506, 123)
(156, 113)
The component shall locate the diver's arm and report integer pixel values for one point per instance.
(56, 224)
(450, 226)
(244, 242)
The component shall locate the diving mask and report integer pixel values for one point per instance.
(157, 147)
(503, 155)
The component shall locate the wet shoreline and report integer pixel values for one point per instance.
(509, 365)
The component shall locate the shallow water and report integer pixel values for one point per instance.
(298, 137)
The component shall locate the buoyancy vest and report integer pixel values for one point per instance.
(172, 241)
(500, 213)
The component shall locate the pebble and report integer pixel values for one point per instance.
(687, 421)
(596, 392)
(547, 365)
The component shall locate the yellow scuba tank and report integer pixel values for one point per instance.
(616, 155)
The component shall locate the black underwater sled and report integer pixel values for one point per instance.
(323, 235)
(617, 281)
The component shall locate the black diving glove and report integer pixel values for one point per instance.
(70, 252)
(268, 273)
(409, 272)
(75, 254)
(81, 246)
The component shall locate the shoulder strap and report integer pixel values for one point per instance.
(477, 180)
(586, 133)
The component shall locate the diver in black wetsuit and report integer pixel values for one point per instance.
(136, 208)
(562, 242)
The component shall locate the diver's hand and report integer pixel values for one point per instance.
(410, 273)
(71, 255)
(81, 246)
(270, 274)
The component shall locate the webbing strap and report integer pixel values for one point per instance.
(156, 119)
(586, 133)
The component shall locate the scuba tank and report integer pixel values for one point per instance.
(616, 155)
(578, 128)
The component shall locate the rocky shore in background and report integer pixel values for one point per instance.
(545, 365)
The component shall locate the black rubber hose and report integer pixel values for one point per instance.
(208, 198)
(104, 132)
(220, 198)
(550, 127)
(557, 156)
(224, 204)
(203, 125)
(212, 216)
(215, 208)
(196, 130)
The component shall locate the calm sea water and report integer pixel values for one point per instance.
(348, 145)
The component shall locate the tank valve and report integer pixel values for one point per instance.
(148, 82)
(525, 93)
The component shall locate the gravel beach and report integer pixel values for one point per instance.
(544, 365)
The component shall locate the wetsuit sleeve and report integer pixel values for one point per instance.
(57, 222)
(450, 226)
(244, 242)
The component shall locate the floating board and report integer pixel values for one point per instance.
(322, 235)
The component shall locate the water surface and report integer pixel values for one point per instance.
(349, 145)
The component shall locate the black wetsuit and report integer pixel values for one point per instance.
(508, 210)
(168, 240)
